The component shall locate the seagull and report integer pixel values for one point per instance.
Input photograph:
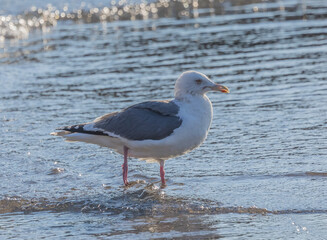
(154, 130)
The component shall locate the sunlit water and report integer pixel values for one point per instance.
(261, 174)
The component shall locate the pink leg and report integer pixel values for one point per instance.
(162, 173)
(125, 167)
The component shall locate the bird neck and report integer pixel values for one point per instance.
(187, 96)
(200, 101)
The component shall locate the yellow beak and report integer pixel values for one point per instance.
(220, 88)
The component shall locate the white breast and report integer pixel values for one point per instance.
(196, 113)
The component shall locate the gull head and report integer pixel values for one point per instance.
(196, 83)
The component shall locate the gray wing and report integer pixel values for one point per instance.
(153, 120)
(148, 120)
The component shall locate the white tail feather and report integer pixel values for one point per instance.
(60, 134)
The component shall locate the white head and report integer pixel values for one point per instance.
(196, 83)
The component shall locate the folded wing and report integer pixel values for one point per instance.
(152, 120)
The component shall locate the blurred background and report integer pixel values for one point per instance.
(261, 173)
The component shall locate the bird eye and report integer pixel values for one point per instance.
(198, 81)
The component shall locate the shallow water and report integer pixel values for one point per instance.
(261, 173)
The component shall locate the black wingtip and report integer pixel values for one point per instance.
(80, 129)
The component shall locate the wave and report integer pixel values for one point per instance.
(150, 205)
(148, 201)
(19, 26)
